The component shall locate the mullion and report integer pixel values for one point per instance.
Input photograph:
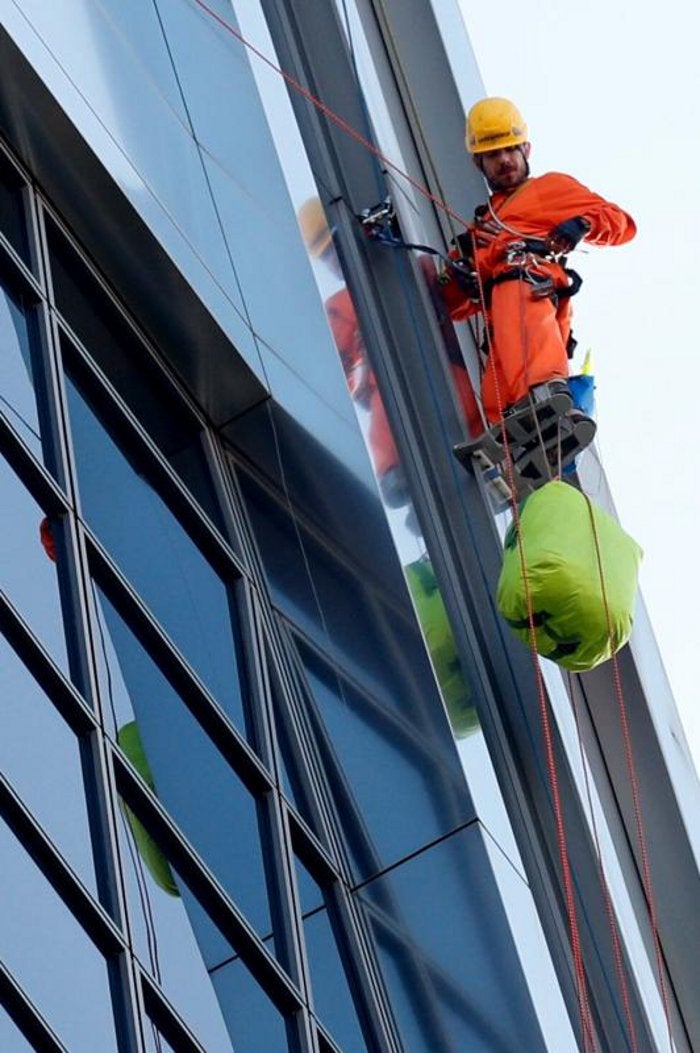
(174, 384)
(164, 1017)
(133, 439)
(205, 887)
(26, 1016)
(179, 674)
(93, 918)
(76, 604)
(61, 692)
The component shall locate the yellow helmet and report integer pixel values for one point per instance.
(493, 124)
(314, 227)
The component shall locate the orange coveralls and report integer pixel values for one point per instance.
(529, 336)
(363, 386)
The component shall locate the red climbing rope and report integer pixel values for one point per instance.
(634, 786)
(609, 910)
(562, 847)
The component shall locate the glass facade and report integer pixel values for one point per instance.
(244, 792)
(284, 702)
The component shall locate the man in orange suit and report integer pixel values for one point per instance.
(511, 268)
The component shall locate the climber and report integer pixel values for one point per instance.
(510, 266)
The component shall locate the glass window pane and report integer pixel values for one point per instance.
(39, 756)
(447, 954)
(114, 345)
(381, 768)
(11, 1038)
(13, 220)
(310, 895)
(167, 945)
(254, 1022)
(17, 397)
(130, 367)
(193, 782)
(192, 603)
(290, 763)
(27, 574)
(330, 991)
(50, 956)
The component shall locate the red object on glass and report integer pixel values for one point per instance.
(46, 537)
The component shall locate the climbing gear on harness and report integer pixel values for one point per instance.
(380, 223)
(494, 124)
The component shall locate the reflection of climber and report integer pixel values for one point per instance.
(360, 379)
(47, 539)
(437, 632)
(516, 246)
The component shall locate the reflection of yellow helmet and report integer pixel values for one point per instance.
(493, 124)
(314, 227)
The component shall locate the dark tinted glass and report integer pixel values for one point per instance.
(212, 807)
(17, 395)
(447, 955)
(381, 768)
(50, 956)
(310, 895)
(39, 756)
(182, 590)
(113, 343)
(129, 366)
(27, 574)
(167, 947)
(253, 1021)
(332, 1000)
(13, 219)
(290, 764)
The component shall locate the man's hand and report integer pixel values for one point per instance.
(485, 230)
(462, 273)
(567, 235)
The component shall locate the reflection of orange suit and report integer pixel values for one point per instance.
(363, 386)
(529, 336)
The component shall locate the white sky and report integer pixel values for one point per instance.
(611, 92)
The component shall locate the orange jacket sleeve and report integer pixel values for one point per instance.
(555, 197)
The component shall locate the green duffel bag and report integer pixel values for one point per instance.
(559, 527)
(129, 741)
(441, 646)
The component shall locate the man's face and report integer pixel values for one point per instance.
(506, 168)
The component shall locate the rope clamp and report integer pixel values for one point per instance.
(380, 220)
(516, 254)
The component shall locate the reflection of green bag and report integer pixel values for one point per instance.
(559, 546)
(441, 646)
(129, 740)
